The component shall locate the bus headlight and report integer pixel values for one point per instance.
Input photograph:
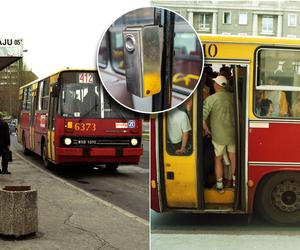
(134, 142)
(68, 141)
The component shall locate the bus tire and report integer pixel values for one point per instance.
(25, 150)
(112, 166)
(46, 162)
(278, 198)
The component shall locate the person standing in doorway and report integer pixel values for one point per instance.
(4, 143)
(219, 109)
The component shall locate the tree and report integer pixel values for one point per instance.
(11, 78)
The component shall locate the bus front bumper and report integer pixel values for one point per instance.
(98, 155)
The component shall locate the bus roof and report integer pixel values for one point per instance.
(56, 73)
(249, 39)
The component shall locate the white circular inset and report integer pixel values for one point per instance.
(150, 60)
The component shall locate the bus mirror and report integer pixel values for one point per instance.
(55, 90)
(143, 58)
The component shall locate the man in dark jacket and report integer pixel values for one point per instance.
(4, 143)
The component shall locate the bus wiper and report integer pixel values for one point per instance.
(88, 112)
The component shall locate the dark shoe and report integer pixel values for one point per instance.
(6, 172)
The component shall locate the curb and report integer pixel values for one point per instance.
(103, 202)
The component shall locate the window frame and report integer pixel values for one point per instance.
(246, 15)
(43, 96)
(257, 87)
(229, 19)
(267, 31)
(118, 28)
(203, 26)
(111, 31)
(289, 21)
(106, 38)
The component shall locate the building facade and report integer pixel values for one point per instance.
(246, 18)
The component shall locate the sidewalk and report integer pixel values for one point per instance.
(70, 218)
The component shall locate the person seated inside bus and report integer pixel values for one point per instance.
(91, 101)
(266, 108)
(278, 98)
(179, 128)
(219, 109)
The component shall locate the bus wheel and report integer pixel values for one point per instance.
(112, 166)
(25, 150)
(44, 155)
(278, 198)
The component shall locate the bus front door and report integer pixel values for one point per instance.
(179, 164)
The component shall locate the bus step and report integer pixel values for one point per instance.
(212, 196)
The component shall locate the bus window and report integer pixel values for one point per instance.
(114, 110)
(28, 99)
(103, 53)
(187, 57)
(45, 95)
(117, 55)
(144, 16)
(80, 100)
(40, 92)
(179, 129)
(24, 97)
(80, 95)
(277, 90)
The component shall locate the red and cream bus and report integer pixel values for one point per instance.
(69, 118)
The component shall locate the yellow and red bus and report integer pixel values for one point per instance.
(267, 141)
(68, 118)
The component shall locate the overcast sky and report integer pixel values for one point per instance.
(61, 33)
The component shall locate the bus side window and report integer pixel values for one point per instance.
(40, 89)
(24, 97)
(28, 99)
(277, 83)
(179, 129)
(45, 95)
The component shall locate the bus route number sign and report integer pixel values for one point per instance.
(86, 77)
(210, 50)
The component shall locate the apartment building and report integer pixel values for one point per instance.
(246, 18)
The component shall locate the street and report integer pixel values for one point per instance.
(199, 231)
(126, 188)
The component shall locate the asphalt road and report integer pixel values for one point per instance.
(224, 232)
(127, 187)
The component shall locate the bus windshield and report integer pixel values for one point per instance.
(80, 100)
(114, 110)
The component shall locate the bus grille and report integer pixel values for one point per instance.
(97, 142)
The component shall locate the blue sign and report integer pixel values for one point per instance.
(131, 124)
